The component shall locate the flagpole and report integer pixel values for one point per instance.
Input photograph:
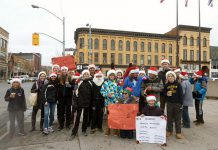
(177, 34)
(199, 5)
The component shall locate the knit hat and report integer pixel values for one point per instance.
(177, 70)
(42, 72)
(150, 97)
(152, 70)
(135, 70)
(119, 71)
(91, 66)
(128, 90)
(76, 75)
(53, 74)
(170, 72)
(85, 71)
(142, 71)
(199, 73)
(165, 61)
(64, 68)
(56, 66)
(183, 75)
(16, 80)
(111, 72)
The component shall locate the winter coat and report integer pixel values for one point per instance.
(35, 89)
(50, 92)
(156, 86)
(98, 99)
(111, 87)
(200, 87)
(152, 111)
(84, 93)
(177, 92)
(66, 90)
(19, 102)
(162, 77)
(135, 85)
(187, 93)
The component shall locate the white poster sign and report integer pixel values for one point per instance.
(150, 129)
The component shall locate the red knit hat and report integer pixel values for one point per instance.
(152, 70)
(199, 73)
(128, 90)
(183, 75)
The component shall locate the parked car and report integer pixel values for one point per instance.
(32, 79)
(25, 77)
(10, 79)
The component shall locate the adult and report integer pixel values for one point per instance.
(37, 88)
(56, 69)
(92, 69)
(165, 64)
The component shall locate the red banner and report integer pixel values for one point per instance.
(122, 116)
(67, 61)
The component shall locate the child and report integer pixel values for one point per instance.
(127, 99)
(97, 103)
(111, 92)
(16, 106)
(84, 96)
(173, 93)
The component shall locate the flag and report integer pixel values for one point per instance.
(210, 3)
(186, 3)
(161, 1)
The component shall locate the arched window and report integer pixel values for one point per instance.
(184, 40)
(142, 46)
(127, 46)
(81, 57)
(135, 46)
(81, 43)
(192, 41)
(104, 44)
(120, 45)
(170, 48)
(149, 46)
(204, 42)
(112, 45)
(96, 44)
(163, 48)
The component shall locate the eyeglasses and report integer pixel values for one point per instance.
(125, 93)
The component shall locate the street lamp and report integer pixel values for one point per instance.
(90, 44)
(63, 23)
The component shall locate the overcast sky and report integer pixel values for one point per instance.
(21, 20)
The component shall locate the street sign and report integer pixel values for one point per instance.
(35, 39)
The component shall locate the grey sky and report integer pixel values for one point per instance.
(21, 20)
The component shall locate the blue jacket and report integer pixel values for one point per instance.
(135, 85)
(200, 86)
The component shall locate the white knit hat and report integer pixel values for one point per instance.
(53, 74)
(134, 71)
(91, 66)
(85, 71)
(150, 97)
(42, 72)
(170, 72)
(142, 71)
(165, 61)
(119, 71)
(111, 72)
(152, 70)
(56, 66)
(64, 68)
(16, 80)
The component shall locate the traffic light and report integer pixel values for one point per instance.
(35, 39)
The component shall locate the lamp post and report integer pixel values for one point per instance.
(63, 23)
(90, 44)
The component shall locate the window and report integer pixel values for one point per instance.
(96, 45)
(197, 54)
(135, 59)
(204, 42)
(156, 59)
(171, 59)
(149, 59)
(184, 54)
(205, 56)
(170, 48)
(197, 41)
(163, 48)
(81, 57)
(214, 64)
(104, 58)
(149, 46)
(81, 43)
(142, 46)
(127, 59)
(120, 45)
(192, 41)
(104, 44)
(191, 54)
(135, 46)
(127, 46)
(112, 58)
(91, 41)
(184, 40)
(156, 47)
(120, 59)
(142, 60)
(112, 45)
(96, 57)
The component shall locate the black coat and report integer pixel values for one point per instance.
(152, 111)
(19, 102)
(64, 91)
(98, 99)
(50, 92)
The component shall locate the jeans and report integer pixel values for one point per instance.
(199, 110)
(49, 114)
(185, 117)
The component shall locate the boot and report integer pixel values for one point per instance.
(107, 132)
(179, 136)
(41, 124)
(116, 132)
(168, 134)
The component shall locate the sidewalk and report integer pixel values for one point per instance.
(202, 137)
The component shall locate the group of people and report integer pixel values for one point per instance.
(92, 93)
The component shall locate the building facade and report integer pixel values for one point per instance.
(214, 62)
(4, 36)
(142, 49)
